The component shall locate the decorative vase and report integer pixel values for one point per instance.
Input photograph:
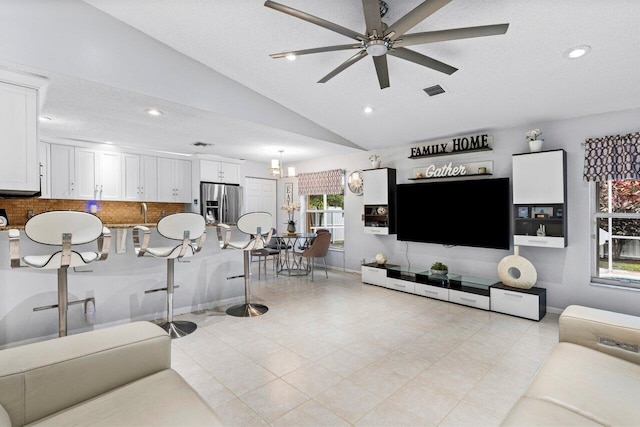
(517, 271)
(291, 227)
(535, 145)
(375, 163)
(439, 272)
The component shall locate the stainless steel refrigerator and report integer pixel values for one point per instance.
(220, 202)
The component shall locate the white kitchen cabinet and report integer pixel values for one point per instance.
(174, 180)
(62, 171)
(539, 199)
(379, 196)
(139, 178)
(97, 174)
(213, 171)
(19, 170)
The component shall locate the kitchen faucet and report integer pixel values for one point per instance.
(143, 211)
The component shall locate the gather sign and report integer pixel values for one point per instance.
(453, 146)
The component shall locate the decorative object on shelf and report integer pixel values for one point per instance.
(375, 160)
(381, 259)
(541, 231)
(439, 268)
(291, 208)
(535, 143)
(517, 271)
(355, 182)
(381, 210)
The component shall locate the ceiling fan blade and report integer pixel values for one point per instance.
(413, 18)
(382, 69)
(315, 20)
(453, 34)
(315, 50)
(423, 60)
(349, 62)
(372, 18)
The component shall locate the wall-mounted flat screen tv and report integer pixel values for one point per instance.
(473, 212)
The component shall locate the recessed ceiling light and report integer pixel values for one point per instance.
(291, 56)
(154, 112)
(367, 109)
(577, 52)
(108, 142)
(45, 118)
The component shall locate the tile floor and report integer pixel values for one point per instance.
(337, 352)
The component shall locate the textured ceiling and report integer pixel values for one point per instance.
(517, 79)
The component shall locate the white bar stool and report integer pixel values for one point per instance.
(258, 225)
(62, 229)
(189, 229)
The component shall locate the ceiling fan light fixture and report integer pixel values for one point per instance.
(291, 56)
(376, 47)
(577, 52)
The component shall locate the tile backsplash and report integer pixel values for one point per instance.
(110, 212)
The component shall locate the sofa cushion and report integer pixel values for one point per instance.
(591, 384)
(161, 399)
(39, 379)
(534, 412)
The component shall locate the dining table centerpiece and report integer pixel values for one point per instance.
(291, 208)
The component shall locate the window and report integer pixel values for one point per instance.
(617, 232)
(326, 211)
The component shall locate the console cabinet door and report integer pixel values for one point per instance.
(375, 187)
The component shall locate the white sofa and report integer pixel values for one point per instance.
(591, 377)
(117, 376)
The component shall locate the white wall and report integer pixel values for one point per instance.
(565, 273)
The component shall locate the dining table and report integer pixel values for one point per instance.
(289, 244)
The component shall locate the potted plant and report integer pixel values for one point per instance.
(375, 160)
(439, 268)
(535, 142)
(291, 223)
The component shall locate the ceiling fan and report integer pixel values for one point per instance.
(380, 40)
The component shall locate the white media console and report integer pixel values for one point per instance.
(471, 291)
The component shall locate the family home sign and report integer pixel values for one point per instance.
(456, 145)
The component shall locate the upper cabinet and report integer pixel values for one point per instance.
(214, 171)
(379, 196)
(174, 180)
(19, 107)
(139, 178)
(539, 199)
(62, 171)
(97, 174)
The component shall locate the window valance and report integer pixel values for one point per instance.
(612, 157)
(324, 182)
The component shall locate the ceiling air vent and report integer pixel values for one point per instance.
(202, 144)
(434, 90)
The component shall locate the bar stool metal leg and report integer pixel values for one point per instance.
(62, 302)
(175, 328)
(247, 309)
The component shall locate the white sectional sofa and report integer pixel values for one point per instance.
(591, 377)
(117, 376)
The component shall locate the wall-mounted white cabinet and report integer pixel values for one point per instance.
(97, 174)
(19, 169)
(379, 196)
(539, 199)
(174, 180)
(213, 171)
(44, 160)
(139, 178)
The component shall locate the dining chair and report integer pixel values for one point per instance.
(318, 249)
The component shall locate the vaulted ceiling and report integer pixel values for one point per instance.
(520, 78)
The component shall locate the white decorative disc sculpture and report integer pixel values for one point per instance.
(517, 271)
(381, 259)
